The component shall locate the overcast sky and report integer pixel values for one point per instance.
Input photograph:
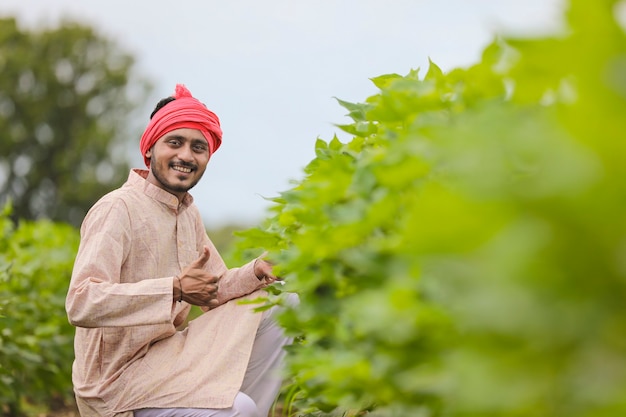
(270, 69)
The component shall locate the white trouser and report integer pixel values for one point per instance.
(260, 384)
(244, 406)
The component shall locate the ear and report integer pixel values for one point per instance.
(148, 153)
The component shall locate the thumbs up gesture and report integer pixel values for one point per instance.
(198, 286)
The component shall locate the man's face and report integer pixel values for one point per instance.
(178, 160)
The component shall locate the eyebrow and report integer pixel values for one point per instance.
(183, 138)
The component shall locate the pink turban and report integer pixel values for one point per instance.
(184, 112)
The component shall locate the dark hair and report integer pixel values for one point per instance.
(160, 104)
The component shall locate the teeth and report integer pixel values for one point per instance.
(182, 169)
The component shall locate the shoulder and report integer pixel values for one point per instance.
(111, 208)
(116, 199)
(123, 199)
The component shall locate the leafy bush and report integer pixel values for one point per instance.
(463, 254)
(36, 340)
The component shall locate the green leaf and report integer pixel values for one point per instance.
(434, 72)
(384, 81)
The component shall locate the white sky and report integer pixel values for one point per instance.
(270, 69)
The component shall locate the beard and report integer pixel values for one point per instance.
(174, 187)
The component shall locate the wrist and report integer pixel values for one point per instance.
(178, 289)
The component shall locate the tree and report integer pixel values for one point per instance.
(65, 100)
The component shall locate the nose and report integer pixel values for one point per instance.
(185, 153)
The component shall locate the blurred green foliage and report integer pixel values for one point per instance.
(36, 339)
(67, 96)
(465, 253)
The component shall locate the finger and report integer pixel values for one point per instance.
(271, 277)
(203, 259)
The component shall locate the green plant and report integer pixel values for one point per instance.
(36, 340)
(463, 254)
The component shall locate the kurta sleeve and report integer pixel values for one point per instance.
(96, 295)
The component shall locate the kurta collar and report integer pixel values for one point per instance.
(137, 178)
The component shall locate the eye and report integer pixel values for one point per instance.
(174, 142)
(200, 148)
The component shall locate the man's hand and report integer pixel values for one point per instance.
(198, 286)
(264, 271)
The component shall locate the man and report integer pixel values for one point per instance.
(143, 260)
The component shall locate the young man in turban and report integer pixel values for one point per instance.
(143, 260)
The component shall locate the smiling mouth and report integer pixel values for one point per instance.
(184, 170)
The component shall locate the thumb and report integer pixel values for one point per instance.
(204, 257)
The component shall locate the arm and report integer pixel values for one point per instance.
(96, 295)
(234, 282)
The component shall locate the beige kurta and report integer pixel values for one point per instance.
(129, 354)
